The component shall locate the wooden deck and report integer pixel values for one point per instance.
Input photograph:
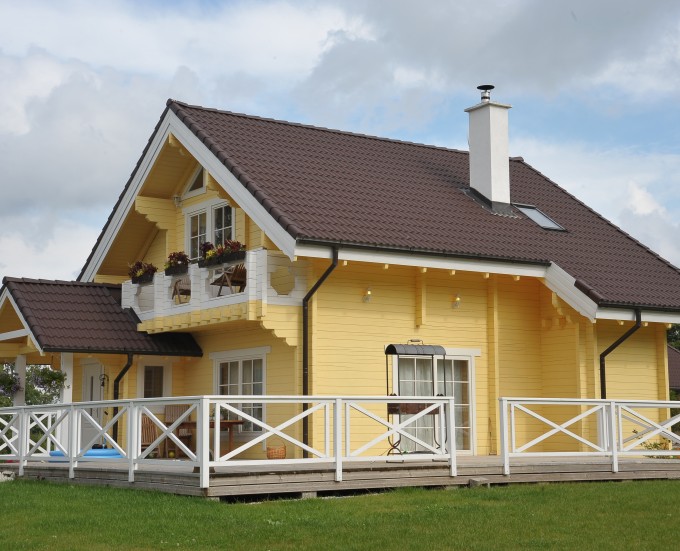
(315, 479)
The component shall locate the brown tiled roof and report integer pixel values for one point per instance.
(67, 316)
(327, 186)
(673, 368)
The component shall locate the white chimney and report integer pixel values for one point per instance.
(488, 141)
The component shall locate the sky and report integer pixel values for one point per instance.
(594, 89)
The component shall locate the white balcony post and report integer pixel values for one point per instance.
(612, 437)
(337, 438)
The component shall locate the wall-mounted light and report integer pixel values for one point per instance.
(177, 200)
(455, 303)
(368, 294)
(103, 379)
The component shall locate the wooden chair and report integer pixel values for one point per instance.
(233, 276)
(149, 434)
(181, 290)
(172, 413)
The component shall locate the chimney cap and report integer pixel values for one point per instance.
(486, 91)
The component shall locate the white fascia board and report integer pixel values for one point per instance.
(422, 260)
(559, 281)
(26, 331)
(128, 200)
(251, 206)
(628, 314)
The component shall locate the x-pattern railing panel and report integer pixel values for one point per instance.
(9, 433)
(651, 429)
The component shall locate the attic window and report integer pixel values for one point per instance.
(197, 184)
(539, 217)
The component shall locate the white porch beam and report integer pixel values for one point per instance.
(20, 368)
(67, 369)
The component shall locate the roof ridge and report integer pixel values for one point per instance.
(316, 128)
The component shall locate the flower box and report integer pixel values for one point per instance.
(178, 269)
(221, 259)
(143, 279)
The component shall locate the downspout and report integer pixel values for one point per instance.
(603, 372)
(116, 391)
(305, 342)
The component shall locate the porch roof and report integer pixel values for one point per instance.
(69, 316)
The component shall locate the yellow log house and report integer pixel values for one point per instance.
(352, 266)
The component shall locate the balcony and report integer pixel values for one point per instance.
(270, 277)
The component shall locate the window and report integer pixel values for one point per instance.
(211, 221)
(416, 376)
(197, 233)
(153, 381)
(197, 183)
(539, 217)
(242, 373)
(222, 226)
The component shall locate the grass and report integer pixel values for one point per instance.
(632, 515)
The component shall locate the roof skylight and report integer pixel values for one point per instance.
(539, 217)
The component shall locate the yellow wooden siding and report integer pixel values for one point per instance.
(9, 320)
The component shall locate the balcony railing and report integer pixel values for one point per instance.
(270, 277)
(557, 427)
(344, 429)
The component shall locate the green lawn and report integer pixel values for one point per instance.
(632, 515)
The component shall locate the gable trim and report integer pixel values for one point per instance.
(26, 331)
(235, 188)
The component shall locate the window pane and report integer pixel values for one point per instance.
(222, 224)
(197, 229)
(153, 381)
(198, 181)
(461, 370)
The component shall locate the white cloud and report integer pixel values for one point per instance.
(60, 255)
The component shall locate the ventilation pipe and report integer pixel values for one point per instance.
(603, 372)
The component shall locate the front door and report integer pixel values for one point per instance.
(416, 377)
(92, 392)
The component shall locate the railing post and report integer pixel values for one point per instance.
(451, 432)
(505, 447)
(73, 441)
(612, 437)
(337, 438)
(23, 439)
(134, 443)
(203, 442)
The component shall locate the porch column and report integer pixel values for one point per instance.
(20, 368)
(67, 369)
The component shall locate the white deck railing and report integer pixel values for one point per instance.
(341, 429)
(557, 427)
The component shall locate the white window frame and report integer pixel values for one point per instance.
(257, 353)
(207, 207)
(167, 379)
(467, 354)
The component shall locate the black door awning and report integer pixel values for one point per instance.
(415, 350)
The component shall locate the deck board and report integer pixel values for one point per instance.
(313, 478)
